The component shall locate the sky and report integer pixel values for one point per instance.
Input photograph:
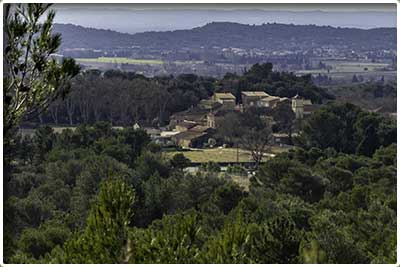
(132, 18)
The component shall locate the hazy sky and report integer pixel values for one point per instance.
(131, 18)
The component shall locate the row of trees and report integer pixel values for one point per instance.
(126, 98)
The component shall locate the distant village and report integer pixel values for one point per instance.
(196, 127)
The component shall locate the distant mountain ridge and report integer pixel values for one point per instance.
(75, 36)
(229, 34)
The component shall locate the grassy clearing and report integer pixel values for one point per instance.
(218, 155)
(213, 154)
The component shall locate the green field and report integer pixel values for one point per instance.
(125, 60)
(355, 66)
(342, 67)
(218, 155)
(213, 154)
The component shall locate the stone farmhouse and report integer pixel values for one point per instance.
(260, 99)
(196, 125)
(252, 98)
(227, 100)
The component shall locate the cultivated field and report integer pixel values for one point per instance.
(338, 67)
(348, 66)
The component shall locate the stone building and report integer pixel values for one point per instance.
(252, 98)
(184, 126)
(193, 115)
(271, 101)
(227, 100)
(194, 137)
(215, 117)
(301, 107)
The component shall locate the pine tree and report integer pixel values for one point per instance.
(105, 236)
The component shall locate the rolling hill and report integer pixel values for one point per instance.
(227, 34)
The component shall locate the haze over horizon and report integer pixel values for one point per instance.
(133, 18)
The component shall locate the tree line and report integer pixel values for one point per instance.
(126, 98)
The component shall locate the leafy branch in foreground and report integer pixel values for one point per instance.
(33, 78)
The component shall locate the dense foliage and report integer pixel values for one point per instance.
(347, 128)
(127, 98)
(261, 77)
(100, 195)
(379, 96)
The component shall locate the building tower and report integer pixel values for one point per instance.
(211, 120)
(298, 106)
(211, 116)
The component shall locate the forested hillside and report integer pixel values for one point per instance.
(75, 36)
(272, 35)
(226, 34)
